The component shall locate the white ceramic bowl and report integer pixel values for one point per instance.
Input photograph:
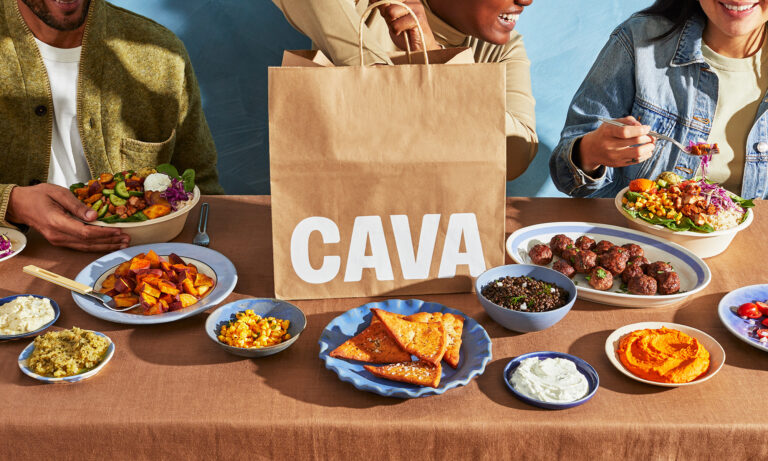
(157, 230)
(701, 244)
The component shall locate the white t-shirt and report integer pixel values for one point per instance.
(68, 164)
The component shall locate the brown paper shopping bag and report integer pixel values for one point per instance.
(386, 180)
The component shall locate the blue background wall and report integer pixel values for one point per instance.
(231, 43)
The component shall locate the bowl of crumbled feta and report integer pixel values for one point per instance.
(26, 315)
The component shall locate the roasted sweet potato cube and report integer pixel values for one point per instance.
(156, 272)
(157, 210)
(202, 289)
(175, 305)
(108, 282)
(180, 267)
(168, 298)
(189, 287)
(150, 290)
(123, 269)
(124, 284)
(139, 256)
(154, 260)
(139, 264)
(111, 293)
(174, 259)
(191, 268)
(154, 309)
(167, 287)
(187, 299)
(126, 300)
(147, 299)
(203, 280)
(166, 266)
(163, 305)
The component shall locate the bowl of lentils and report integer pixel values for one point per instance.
(524, 297)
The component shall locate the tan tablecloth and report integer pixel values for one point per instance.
(169, 392)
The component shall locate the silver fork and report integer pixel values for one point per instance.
(683, 148)
(85, 290)
(202, 238)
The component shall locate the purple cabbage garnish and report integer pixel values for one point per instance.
(176, 193)
(5, 246)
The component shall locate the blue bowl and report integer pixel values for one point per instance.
(265, 307)
(27, 352)
(593, 380)
(519, 320)
(56, 313)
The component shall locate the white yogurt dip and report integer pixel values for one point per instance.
(553, 380)
(25, 314)
(157, 182)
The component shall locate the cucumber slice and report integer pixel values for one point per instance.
(135, 193)
(121, 190)
(117, 201)
(103, 210)
(111, 219)
(137, 217)
(107, 191)
(96, 205)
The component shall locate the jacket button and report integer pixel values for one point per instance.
(41, 110)
(762, 146)
(34, 182)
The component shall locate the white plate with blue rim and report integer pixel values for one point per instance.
(18, 242)
(85, 374)
(56, 313)
(742, 328)
(209, 262)
(693, 271)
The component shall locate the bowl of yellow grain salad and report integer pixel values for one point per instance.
(255, 327)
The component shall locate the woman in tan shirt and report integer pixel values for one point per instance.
(486, 26)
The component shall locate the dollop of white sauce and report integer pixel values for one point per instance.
(24, 314)
(553, 380)
(157, 182)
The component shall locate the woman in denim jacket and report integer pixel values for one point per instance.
(674, 68)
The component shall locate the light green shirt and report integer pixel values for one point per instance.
(742, 82)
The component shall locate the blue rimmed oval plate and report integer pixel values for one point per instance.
(475, 350)
(56, 313)
(744, 329)
(209, 262)
(65, 379)
(593, 380)
(693, 271)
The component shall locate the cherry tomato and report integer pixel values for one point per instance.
(765, 322)
(762, 334)
(763, 307)
(750, 311)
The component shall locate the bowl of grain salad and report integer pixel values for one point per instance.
(255, 327)
(66, 356)
(524, 297)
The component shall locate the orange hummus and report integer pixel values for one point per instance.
(663, 355)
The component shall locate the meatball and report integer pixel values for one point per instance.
(584, 261)
(564, 268)
(540, 254)
(569, 254)
(603, 246)
(642, 285)
(631, 271)
(656, 268)
(584, 243)
(559, 243)
(600, 279)
(640, 261)
(614, 261)
(633, 250)
(669, 283)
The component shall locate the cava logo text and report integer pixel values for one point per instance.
(368, 231)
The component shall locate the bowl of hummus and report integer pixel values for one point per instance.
(664, 354)
(26, 315)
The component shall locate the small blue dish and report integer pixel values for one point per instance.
(264, 307)
(593, 380)
(65, 379)
(522, 321)
(56, 313)
(739, 327)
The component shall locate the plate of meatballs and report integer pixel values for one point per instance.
(612, 265)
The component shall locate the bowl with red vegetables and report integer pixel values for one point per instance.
(697, 214)
(151, 205)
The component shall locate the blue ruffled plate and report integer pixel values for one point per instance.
(475, 350)
(66, 379)
(743, 328)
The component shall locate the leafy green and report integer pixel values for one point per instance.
(601, 274)
(168, 169)
(685, 224)
(632, 196)
(76, 186)
(189, 179)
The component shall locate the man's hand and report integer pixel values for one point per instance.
(615, 146)
(401, 23)
(53, 210)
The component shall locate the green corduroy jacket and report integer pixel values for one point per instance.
(138, 103)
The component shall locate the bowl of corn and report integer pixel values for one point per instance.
(255, 327)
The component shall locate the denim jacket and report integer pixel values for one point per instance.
(665, 84)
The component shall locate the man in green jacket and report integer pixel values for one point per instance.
(89, 88)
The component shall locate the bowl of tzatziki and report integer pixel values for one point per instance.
(551, 380)
(26, 315)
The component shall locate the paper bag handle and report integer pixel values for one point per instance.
(373, 6)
